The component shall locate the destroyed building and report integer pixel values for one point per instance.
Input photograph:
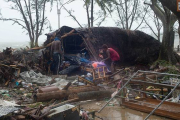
(133, 46)
(41, 95)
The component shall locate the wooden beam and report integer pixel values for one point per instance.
(165, 111)
(150, 83)
(84, 80)
(66, 35)
(92, 95)
(40, 97)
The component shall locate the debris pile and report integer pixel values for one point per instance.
(37, 96)
(13, 62)
(26, 79)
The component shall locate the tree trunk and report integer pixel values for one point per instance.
(90, 95)
(166, 52)
(171, 5)
(32, 43)
(172, 34)
(88, 19)
(37, 24)
(168, 19)
(92, 10)
(36, 42)
(179, 33)
(127, 26)
(39, 97)
(159, 35)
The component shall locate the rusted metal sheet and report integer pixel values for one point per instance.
(168, 109)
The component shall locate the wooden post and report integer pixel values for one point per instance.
(98, 73)
(104, 72)
(94, 74)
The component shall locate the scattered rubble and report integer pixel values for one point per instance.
(27, 80)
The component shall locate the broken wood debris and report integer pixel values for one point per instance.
(77, 88)
(91, 95)
(61, 94)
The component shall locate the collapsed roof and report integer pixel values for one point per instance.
(133, 46)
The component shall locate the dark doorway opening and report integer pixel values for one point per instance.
(73, 44)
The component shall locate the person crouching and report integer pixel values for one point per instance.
(112, 55)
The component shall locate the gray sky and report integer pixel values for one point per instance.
(14, 33)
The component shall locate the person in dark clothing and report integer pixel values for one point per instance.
(56, 53)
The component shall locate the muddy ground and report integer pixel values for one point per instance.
(117, 112)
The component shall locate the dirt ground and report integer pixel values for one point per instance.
(117, 112)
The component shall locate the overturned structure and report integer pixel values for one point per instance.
(134, 47)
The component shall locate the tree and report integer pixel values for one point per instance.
(70, 13)
(32, 17)
(172, 5)
(105, 6)
(168, 19)
(129, 12)
(157, 23)
(101, 15)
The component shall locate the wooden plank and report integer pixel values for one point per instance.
(150, 83)
(165, 90)
(94, 95)
(166, 102)
(80, 78)
(61, 94)
(162, 112)
(12, 66)
(42, 47)
(18, 73)
(149, 109)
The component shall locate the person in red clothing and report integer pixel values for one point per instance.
(112, 54)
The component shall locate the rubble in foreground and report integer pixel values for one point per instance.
(29, 92)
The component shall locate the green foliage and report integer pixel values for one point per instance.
(161, 63)
(105, 5)
(172, 69)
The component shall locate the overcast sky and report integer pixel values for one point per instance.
(14, 33)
